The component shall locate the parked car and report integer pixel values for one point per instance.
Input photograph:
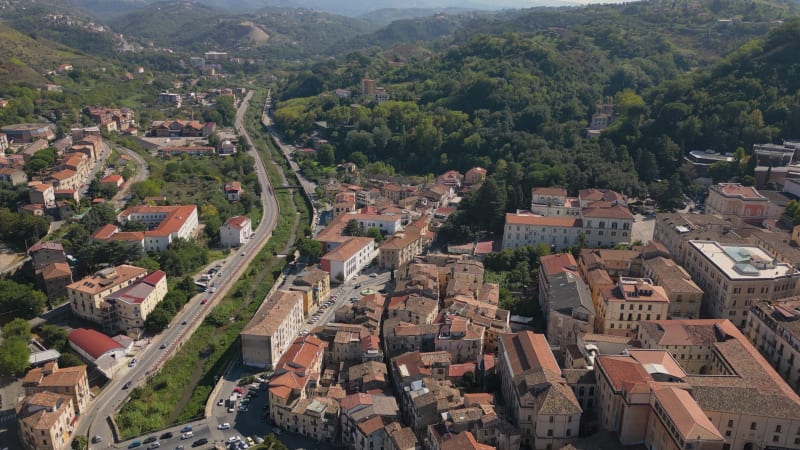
(220, 402)
(163, 346)
(150, 439)
(97, 439)
(166, 435)
(155, 444)
(135, 444)
(132, 362)
(187, 435)
(232, 439)
(126, 385)
(224, 426)
(186, 428)
(199, 442)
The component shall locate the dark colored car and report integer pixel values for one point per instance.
(200, 442)
(150, 439)
(126, 385)
(166, 435)
(135, 444)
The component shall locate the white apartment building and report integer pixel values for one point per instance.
(346, 260)
(235, 231)
(272, 329)
(523, 229)
(733, 277)
(165, 223)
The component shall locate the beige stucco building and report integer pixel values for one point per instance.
(272, 329)
(529, 374)
(734, 276)
(87, 296)
(315, 285)
(46, 421)
(620, 308)
(685, 296)
(774, 328)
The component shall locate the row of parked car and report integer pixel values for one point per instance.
(154, 442)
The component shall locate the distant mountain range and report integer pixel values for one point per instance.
(353, 8)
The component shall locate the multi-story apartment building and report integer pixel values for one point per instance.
(565, 300)
(401, 337)
(413, 308)
(46, 421)
(87, 296)
(315, 284)
(272, 329)
(363, 418)
(685, 296)
(733, 276)
(70, 381)
(461, 338)
(675, 230)
(401, 249)
(774, 328)
(165, 223)
(129, 307)
(734, 386)
(346, 260)
(530, 374)
(399, 437)
(296, 374)
(620, 308)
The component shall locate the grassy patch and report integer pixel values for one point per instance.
(180, 390)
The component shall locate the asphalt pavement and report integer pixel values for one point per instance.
(151, 357)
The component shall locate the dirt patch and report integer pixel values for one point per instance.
(9, 258)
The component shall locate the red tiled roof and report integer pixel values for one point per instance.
(105, 232)
(370, 426)
(93, 342)
(46, 246)
(237, 222)
(154, 277)
(562, 262)
(112, 179)
(348, 249)
(458, 370)
(353, 400)
(532, 219)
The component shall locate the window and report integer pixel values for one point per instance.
(728, 433)
(752, 425)
(777, 428)
(569, 432)
(550, 432)
(552, 419)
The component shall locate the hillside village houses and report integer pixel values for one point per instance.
(623, 346)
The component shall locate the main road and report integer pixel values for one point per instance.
(96, 422)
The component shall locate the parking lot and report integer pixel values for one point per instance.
(250, 422)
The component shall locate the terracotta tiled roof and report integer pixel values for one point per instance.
(93, 342)
(545, 221)
(558, 263)
(349, 248)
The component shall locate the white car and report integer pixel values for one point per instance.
(224, 426)
(233, 439)
(187, 435)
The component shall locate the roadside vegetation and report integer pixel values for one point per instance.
(180, 390)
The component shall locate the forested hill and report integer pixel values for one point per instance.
(752, 96)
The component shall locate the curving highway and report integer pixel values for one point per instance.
(151, 357)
